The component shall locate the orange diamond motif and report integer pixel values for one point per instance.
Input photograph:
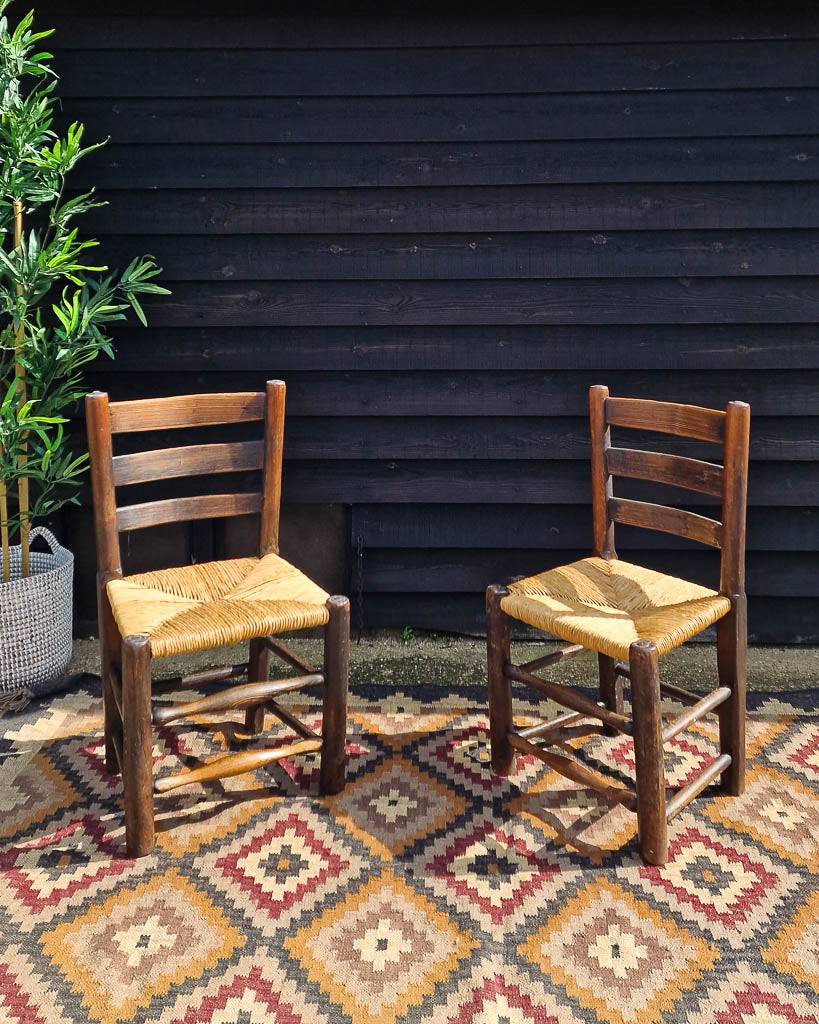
(139, 943)
(617, 956)
(359, 951)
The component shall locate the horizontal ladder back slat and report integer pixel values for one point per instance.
(185, 411)
(191, 460)
(173, 510)
(692, 474)
(666, 520)
(667, 418)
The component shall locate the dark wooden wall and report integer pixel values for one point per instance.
(440, 229)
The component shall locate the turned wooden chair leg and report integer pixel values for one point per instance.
(334, 718)
(110, 657)
(648, 751)
(732, 642)
(500, 689)
(258, 668)
(611, 689)
(137, 769)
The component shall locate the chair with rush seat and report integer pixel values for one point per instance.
(624, 611)
(192, 608)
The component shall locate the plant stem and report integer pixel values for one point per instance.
(19, 372)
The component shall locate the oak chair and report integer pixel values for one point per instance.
(196, 607)
(631, 616)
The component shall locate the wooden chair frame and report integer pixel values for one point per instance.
(727, 482)
(126, 661)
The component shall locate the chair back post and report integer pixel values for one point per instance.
(734, 498)
(272, 467)
(601, 481)
(98, 425)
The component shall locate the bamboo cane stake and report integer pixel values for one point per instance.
(22, 484)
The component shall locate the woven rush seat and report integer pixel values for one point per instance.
(607, 605)
(195, 607)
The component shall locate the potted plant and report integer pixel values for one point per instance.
(55, 310)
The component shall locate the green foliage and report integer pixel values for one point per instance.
(406, 636)
(56, 302)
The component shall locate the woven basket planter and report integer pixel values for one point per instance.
(36, 619)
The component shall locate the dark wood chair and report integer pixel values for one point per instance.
(624, 611)
(190, 608)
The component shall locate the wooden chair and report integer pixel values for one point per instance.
(624, 611)
(171, 611)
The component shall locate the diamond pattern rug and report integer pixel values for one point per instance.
(429, 890)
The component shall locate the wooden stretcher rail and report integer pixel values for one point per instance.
(569, 698)
(696, 712)
(684, 796)
(236, 697)
(545, 727)
(287, 656)
(574, 771)
(555, 658)
(190, 682)
(289, 719)
(116, 688)
(683, 696)
(235, 764)
(116, 741)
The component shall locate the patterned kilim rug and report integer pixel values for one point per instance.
(428, 891)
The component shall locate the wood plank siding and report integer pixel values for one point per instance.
(440, 229)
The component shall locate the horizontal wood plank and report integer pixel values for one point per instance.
(770, 574)
(741, 64)
(667, 520)
(588, 115)
(174, 510)
(599, 347)
(174, 166)
(472, 256)
(178, 411)
(784, 394)
(96, 26)
(597, 207)
(462, 482)
(632, 301)
(559, 527)
(190, 460)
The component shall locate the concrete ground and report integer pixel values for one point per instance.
(410, 659)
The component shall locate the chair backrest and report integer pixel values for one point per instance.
(728, 482)
(109, 471)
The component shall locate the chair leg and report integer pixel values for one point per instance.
(500, 689)
(258, 669)
(137, 745)
(110, 656)
(648, 751)
(732, 643)
(611, 689)
(334, 717)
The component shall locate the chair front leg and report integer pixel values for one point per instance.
(648, 751)
(334, 717)
(500, 689)
(137, 769)
(732, 644)
(258, 669)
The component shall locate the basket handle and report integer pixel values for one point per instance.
(48, 537)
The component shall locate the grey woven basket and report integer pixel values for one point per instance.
(36, 619)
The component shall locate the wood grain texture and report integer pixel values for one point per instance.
(686, 794)
(675, 470)
(668, 520)
(174, 510)
(235, 764)
(667, 418)
(185, 411)
(189, 460)
(567, 697)
(247, 695)
(648, 752)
